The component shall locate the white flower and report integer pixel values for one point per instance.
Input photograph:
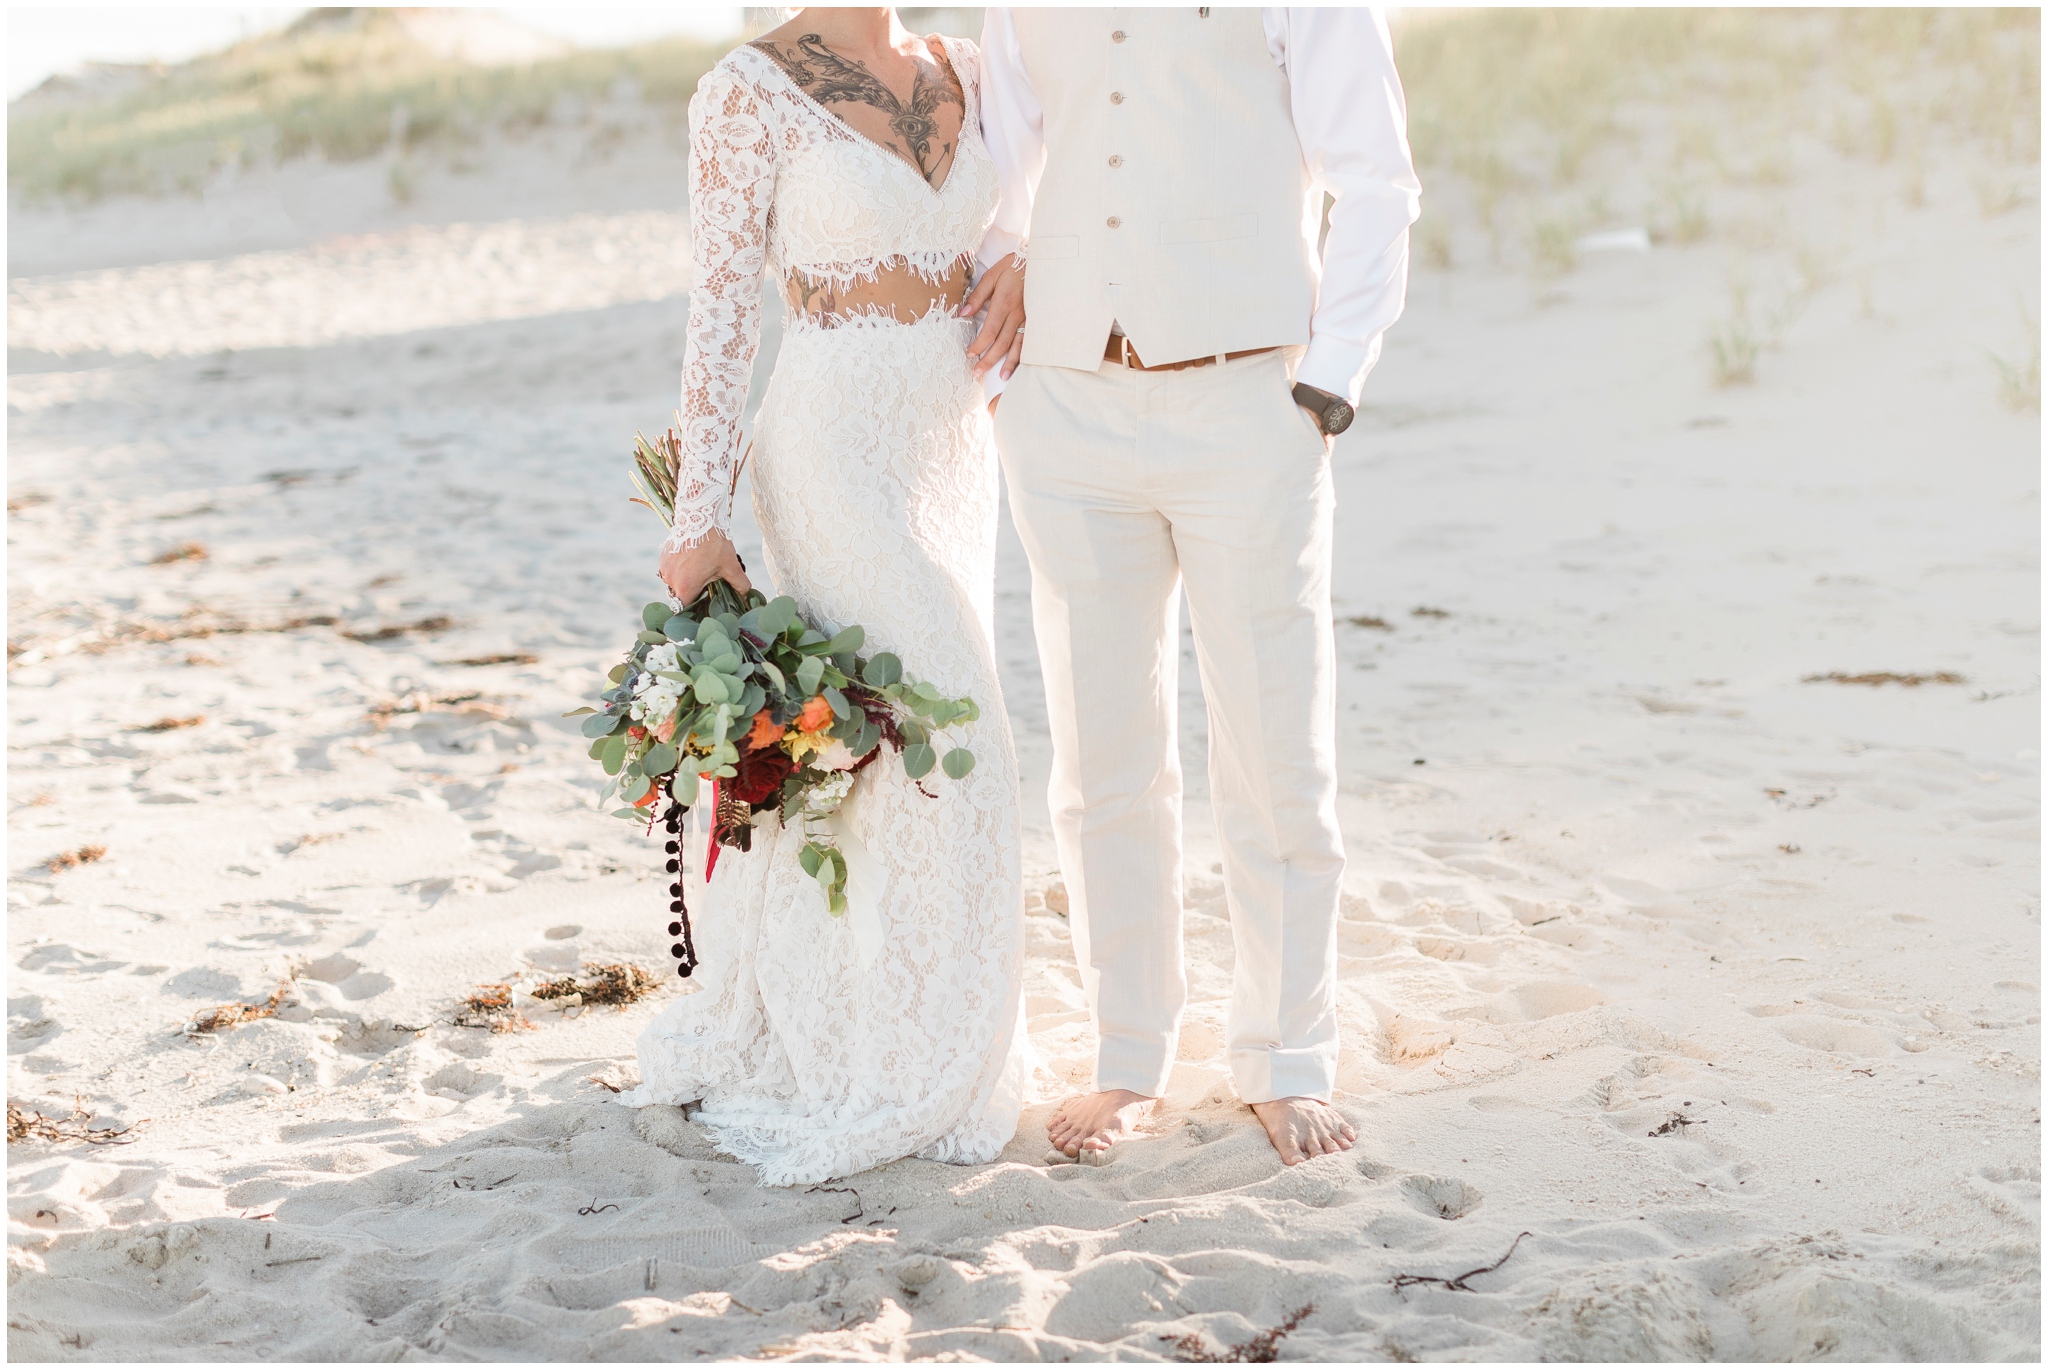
(656, 701)
(827, 795)
(663, 658)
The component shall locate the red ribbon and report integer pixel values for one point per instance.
(711, 843)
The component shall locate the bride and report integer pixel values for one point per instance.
(842, 155)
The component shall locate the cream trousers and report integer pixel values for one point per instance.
(1125, 486)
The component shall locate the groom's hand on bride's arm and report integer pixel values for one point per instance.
(687, 570)
(1000, 291)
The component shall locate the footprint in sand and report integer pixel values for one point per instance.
(458, 1080)
(1441, 1196)
(29, 1024)
(2011, 1191)
(1838, 1038)
(55, 958)
(559, 950)
(347, 976)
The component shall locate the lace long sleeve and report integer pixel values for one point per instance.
(732, 186)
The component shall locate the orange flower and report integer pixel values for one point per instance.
(817, 714)
(665, 730)
(653, 793)
(764, 733)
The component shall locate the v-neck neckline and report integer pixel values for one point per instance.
(888, 153)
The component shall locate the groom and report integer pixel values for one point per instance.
(1189, 355)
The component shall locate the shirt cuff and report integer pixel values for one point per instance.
(1337, 367)
(996, 246)
(992, 383)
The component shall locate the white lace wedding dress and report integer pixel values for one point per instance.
(822, 1046)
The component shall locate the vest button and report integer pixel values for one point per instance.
(1116, 97)
(1115, 222)
(1116, 161)
(1117, 37)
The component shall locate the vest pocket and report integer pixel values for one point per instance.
(1052, 249)
(1209, 230)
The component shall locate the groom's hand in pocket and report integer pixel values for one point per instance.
(687, 570)
(1000, 291)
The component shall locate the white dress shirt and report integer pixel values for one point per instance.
(1352, 122)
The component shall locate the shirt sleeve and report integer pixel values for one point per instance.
(1352, 120)
(1013, 128)
(732, 186)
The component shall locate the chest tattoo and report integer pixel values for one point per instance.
(830, 79)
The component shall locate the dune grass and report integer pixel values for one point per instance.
(1507, 101)
(342, 84)
(1518, 107)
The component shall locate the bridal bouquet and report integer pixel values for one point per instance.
(774, 713)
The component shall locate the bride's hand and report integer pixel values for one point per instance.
(1001, 339)
(687, 570)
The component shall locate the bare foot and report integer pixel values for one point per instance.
(1302, 1129)
(1097, 1122)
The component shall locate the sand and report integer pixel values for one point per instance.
(1719, 985)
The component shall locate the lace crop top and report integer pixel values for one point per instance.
(779, 183)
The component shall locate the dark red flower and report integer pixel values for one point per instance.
(761, 773)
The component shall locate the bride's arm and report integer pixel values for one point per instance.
(1011, 129)
(732, 185)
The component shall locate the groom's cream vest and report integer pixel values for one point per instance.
(1175, 200)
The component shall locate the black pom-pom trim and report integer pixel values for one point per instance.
(675, 929)
(683, 971)
(676, 950)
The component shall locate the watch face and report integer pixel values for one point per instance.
(1337, 417)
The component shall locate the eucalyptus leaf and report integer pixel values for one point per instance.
(812, 858)
(614, 755)
(840, 708)
(635, 788)
(710, 689)
(809, 674)
(883, 670)
(651, 636)
(918, 760)
(654, 615)
(912, 732)
(959, 762)
(774, 674)
(597, 748)
(973, 711)
(848, 639)
(617, 673)
(778, 614)
(684, 787)
(578, 713)
(661, 759)
(602, 725)
(680, 628)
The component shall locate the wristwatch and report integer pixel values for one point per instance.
(1333, 413)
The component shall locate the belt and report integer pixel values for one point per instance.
(1120, 351)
